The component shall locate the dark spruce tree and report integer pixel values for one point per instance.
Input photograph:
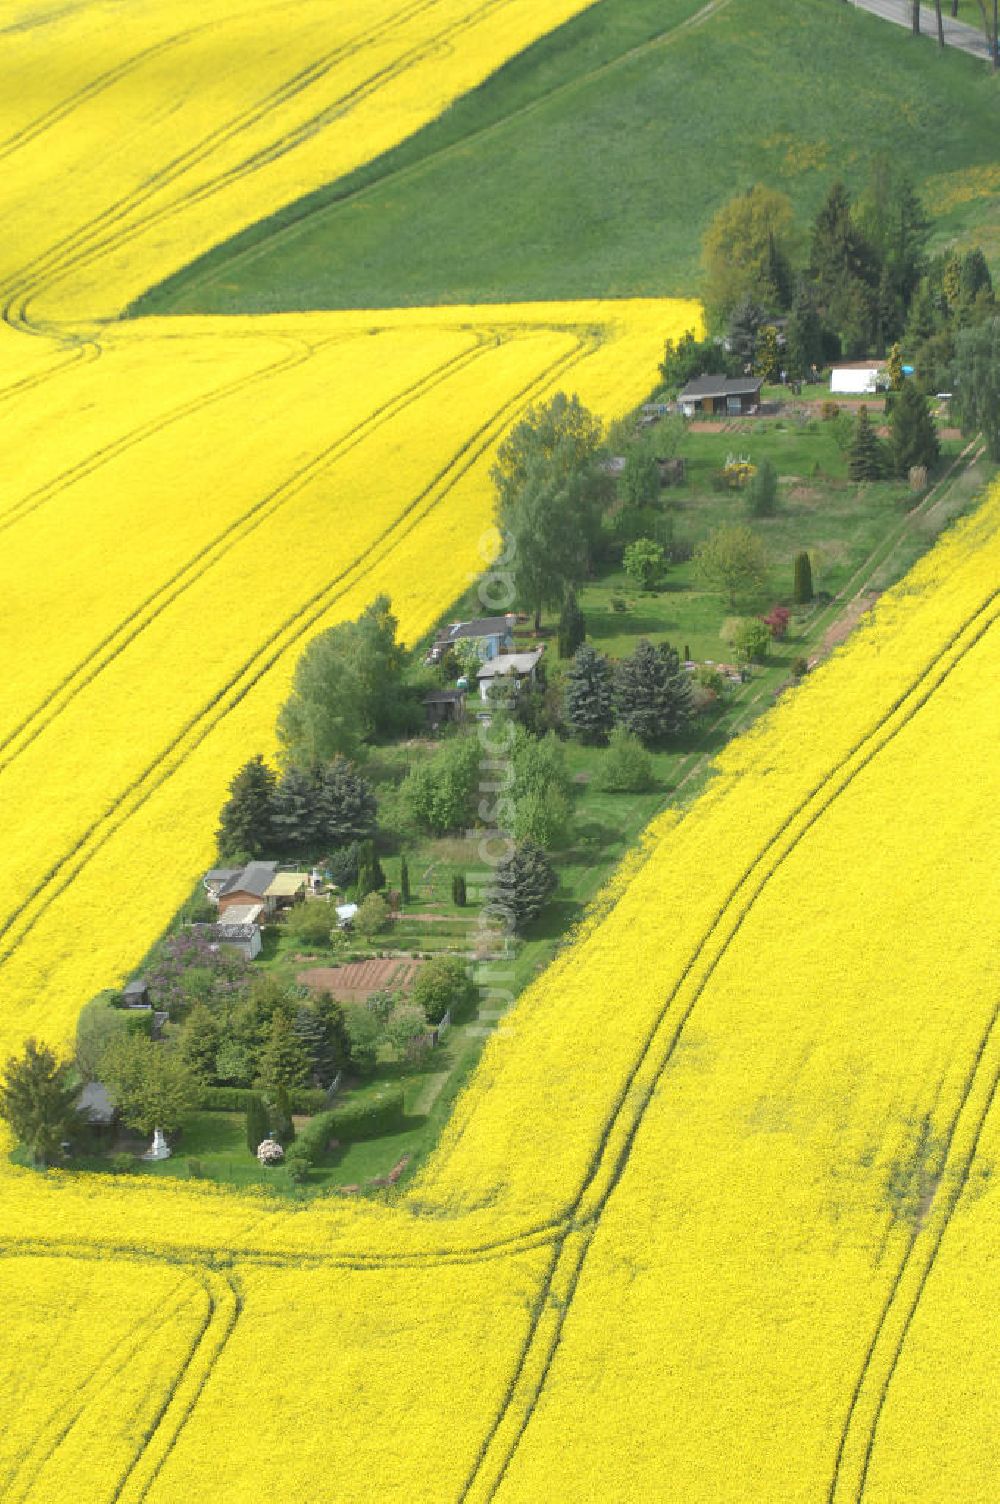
(294, 818)
(588, 708)
(653, 697)
(572, 626)
(844, 270)
(802, 588)
(744, 322)
(804, 334)
(346, 805)
(336, 1050)
(458, 890)
(864, 460)
(404, 880)
(310, 1031)
(524, 883)
(913, 438)
(245, 820)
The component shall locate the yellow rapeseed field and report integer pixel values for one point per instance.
(717, 1211)
(134, 137)
(753, 1205)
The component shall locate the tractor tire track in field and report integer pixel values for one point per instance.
(153, 605)
(857, 1440)
(89, 241)
(21, 920)
(20, 1481)
(555, 1299)
(83, 351)
(225, 1306)
(91, 90)
(26, 505)
(203, 1256)
(288, 89)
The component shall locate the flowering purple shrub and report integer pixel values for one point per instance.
(191, 967)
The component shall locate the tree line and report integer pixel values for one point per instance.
(852, 283)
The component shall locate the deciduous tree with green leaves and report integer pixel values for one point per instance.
(373, 916)
(640, 481)
(767, 356)
(551, 490)
(626, 767)
(976, 383)
(746, 252)
(346, 689)
(643, 562)
(687, 358)
(441, 985)
(732, 559)
(750, 639)
(150, 1082)
(439, 792)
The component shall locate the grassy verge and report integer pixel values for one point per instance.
(590, 165)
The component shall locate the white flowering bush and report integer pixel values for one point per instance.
(270, 1152)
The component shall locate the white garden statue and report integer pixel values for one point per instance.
(159, 1149)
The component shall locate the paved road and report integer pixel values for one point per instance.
(956, 33)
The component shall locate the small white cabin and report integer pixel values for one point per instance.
(858, 378)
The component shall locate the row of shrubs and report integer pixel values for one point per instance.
(382, 1112)
(302, 1099)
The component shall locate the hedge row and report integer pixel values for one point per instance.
(352, 1122)
(304, 1099)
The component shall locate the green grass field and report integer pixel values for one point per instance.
(590, 164)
